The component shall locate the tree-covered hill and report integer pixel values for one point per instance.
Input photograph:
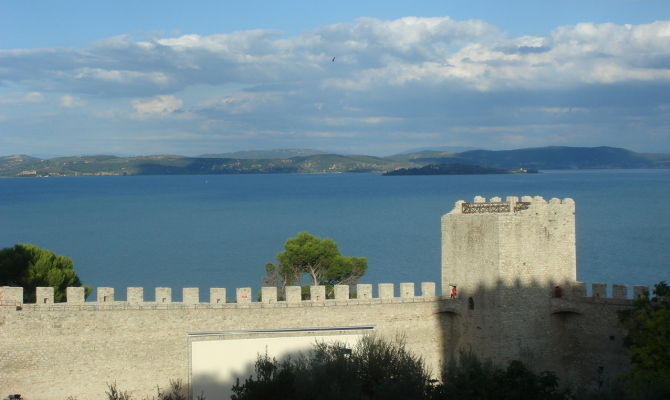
(553, 158)
(179, 165)
(532, 158)
(266, 154)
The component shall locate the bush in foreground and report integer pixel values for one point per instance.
(373, 369)
(377, 369)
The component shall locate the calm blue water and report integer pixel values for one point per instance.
(219, 231)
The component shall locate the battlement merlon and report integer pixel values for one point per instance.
(511, 204)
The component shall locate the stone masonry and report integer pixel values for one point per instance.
(512, 261)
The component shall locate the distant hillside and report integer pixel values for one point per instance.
(178, 165)
(661, 160)
(422, 155)
(266, 154)
(535, 158)
(552, 158)
(560, 158)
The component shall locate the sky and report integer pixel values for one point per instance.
(353, 77)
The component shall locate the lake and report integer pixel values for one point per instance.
(220, 230)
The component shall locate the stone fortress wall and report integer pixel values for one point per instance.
(513, 262)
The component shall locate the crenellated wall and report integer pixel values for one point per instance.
(512, 261)
(44, 296)
(217, 296)
(55, 350)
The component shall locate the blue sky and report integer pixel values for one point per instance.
(149, 77)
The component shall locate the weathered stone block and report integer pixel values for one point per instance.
(11, 295)
(364, 291)
(458, 207)
(407, 289)
(135, 295)
(385, 290)
(269, 294)
(75, 295)
(317, 293)
(163, 295)
(341, 292)
(293, 294)
(619, 291)
(599, 290)
(44, 295)
(190, 295)
(105, 295)
(427, 289)
(243, 295)
(217, 295)
(578, 289)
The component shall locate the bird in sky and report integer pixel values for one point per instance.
(333, 60)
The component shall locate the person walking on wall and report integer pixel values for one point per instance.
(454, 292)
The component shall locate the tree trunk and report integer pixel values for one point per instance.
(312, 272)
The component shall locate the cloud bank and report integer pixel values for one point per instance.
(368, 86)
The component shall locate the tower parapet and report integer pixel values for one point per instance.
(525, 241)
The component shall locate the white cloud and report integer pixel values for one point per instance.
(555, 110)
(178, 136)
(159, 106)
(241, 102)
(369, 53)
(21, 98)
(390, 80)
(358, 120)
(121, 76)
(326, 134)
(68, 101)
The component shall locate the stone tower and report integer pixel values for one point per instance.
(510, 243)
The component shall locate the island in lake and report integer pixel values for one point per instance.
(457, 169)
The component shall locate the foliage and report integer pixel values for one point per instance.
(373, 369)
(319, 258)
(176, 391)
(378, 369)
(471, 378)
(29, 266)
(648, 343)
(115, 393)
